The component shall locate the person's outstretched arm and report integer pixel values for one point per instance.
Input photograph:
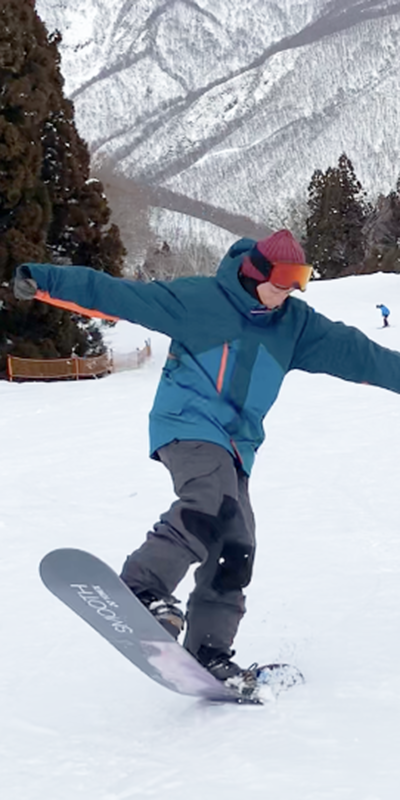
(343, 351)
(87, 291)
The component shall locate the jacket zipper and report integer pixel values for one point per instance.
(222, 367)
(220, 383)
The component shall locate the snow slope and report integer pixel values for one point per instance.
(77, 720)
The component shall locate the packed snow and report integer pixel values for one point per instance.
(78, 720)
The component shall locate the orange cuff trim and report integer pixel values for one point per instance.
(67, 305)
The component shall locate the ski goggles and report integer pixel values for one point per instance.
(285, 275)
(282, 274)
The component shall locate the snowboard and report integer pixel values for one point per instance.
(91, 589)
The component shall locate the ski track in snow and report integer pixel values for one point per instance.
(77, 720)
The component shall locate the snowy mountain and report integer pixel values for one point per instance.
(222, 110)
(77, 720)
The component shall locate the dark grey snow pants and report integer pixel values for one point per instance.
(212, 523)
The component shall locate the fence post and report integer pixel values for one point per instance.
(9, 368)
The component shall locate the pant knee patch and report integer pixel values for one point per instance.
(203, 526)
(234, 568)
(209, 528)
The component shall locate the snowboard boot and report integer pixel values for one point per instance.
(165, 611)
(220, 665)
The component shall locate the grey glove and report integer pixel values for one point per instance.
(24, 286)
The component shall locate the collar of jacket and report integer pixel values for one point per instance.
(227, 279)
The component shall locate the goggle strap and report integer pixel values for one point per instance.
(262, 264)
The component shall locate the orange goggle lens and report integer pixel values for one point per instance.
(284, 275)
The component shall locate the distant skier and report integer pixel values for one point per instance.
(385, 314)
(235, 335)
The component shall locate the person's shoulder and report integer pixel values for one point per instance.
(190, 283)
(299, 307)
(192, 289)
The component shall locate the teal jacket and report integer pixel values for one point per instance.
(228, 354)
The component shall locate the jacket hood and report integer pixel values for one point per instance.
(227, 279)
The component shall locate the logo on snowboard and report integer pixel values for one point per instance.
(97, 599)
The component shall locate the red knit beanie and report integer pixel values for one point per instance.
(281, 246)
(257, 264)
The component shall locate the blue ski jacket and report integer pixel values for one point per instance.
(384, 310)
(228, 354)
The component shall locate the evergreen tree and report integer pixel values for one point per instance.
(338, 209)
(50, 209)
(382, 233)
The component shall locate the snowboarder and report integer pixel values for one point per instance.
(385, 314)
(234, 336)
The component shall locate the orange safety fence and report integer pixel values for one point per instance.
(74, 367)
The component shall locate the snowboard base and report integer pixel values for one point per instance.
(91, 589)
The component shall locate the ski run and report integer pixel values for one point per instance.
(78, 720)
